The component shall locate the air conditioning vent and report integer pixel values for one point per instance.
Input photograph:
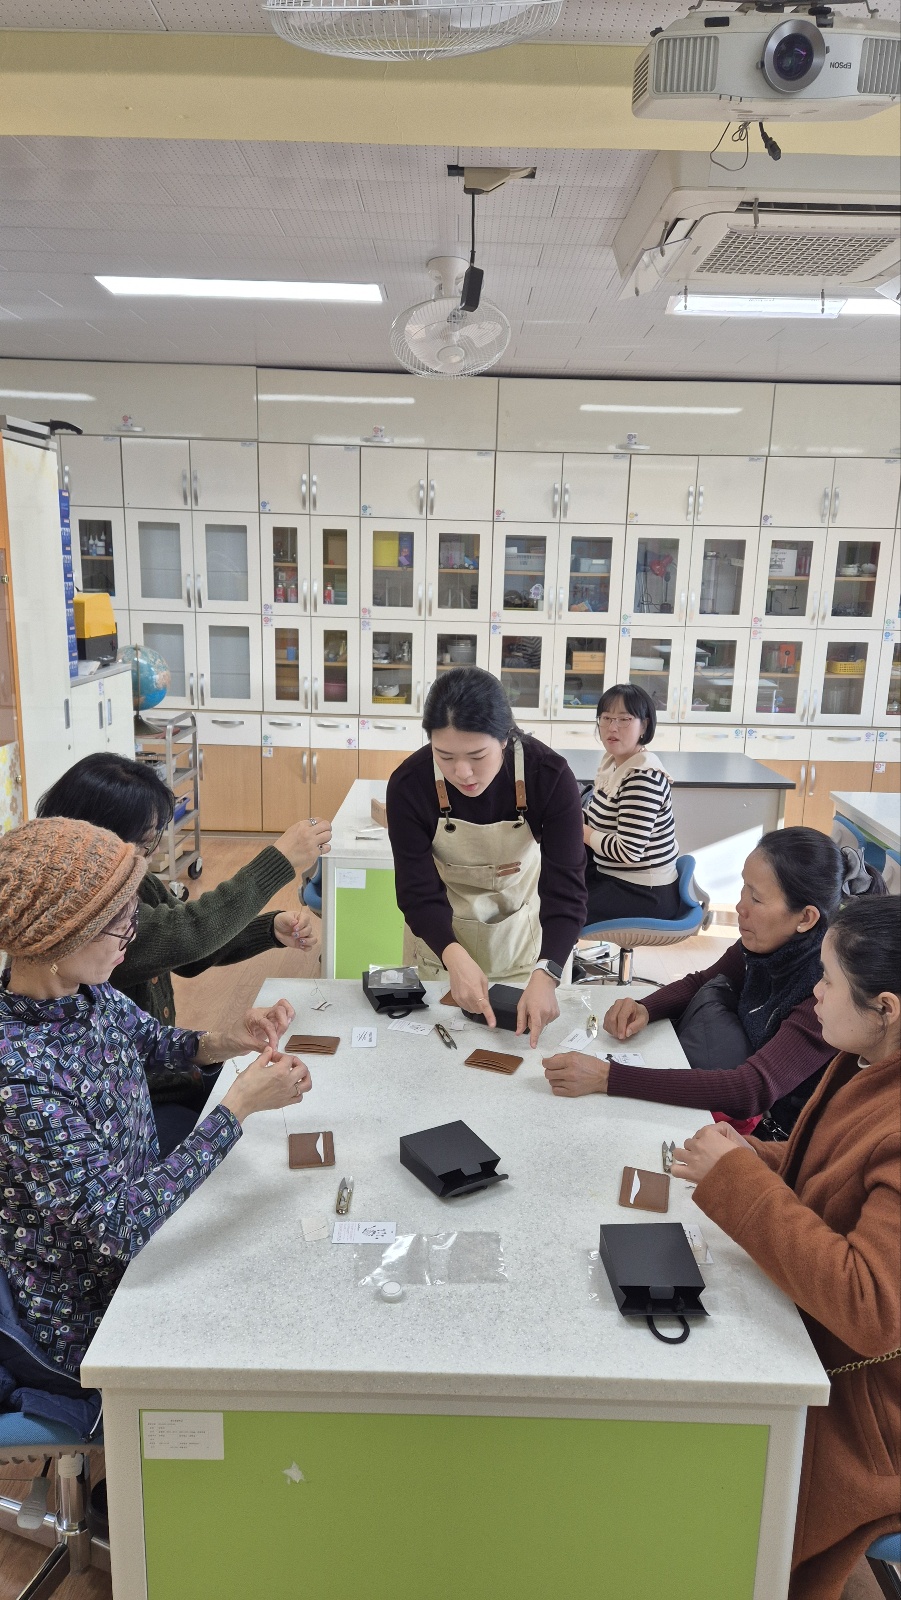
(640, 80)
(880, 67)
(784, 253)
(686, 64)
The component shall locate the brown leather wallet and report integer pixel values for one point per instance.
(311, 1150)
(494, 1061)
(312, 1044)
(644, 1191)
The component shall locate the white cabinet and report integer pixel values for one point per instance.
(595, 488)
(156, 472)
(780, 675)
(88, 720)
(797, 492)
(173, 638)
(119, 712)
(584, 666)
(287, 664)
(729, 490)
(393, 483)
(714, 675)
(865, 493)
(655, 573)
(224, 475)
(91, 469)
(662, 489)
(390, 733)
(888, 684)
(523, 658)
(524, 572)
(285, 478)
(229, 663)
(721, 740)
(226, 561)
(335, 479)
(460, 643)
(335, 664)
(652, 659)
(461, 484)
(335, 566)
(721, 574)
(458, 570)
(589, 575)
(102, 716)
(99, 563)
(819, 419)
(856, 571)
(789, 578)
(392, 569)
(160, 559)
(392, 667)
(285, 563)
(845, 669)
(527, 486)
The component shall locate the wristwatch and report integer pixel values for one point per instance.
(552, 968)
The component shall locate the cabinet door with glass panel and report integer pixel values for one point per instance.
(780, 675)
(655, 574)
(229, 663)
(287, 664)
(160, 547)
(527, 486)
(651, 658)
(845, 669)
(335, 643)
(458, 571)
(285, 565)
(392, 666)
(99, 561)
(714, 675)
(524, 577)
(888, 682)
(227, 561)
(789, 578)
(449, 645)
(334, 566)
(392, 569)
(584, 665)
(174, 639)
(523, 658)
(721, 575)
(589, 573)
(856, 571)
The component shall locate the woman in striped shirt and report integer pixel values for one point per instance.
(630, 835)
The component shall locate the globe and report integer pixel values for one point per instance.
(150, 675)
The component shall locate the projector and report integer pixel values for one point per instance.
(754, 63)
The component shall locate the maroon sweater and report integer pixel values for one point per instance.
(795, 1051)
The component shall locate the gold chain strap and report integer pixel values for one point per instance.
(871, 1361)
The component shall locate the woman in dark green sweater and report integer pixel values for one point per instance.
(185, 936)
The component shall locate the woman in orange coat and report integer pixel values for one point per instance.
(821, 1214)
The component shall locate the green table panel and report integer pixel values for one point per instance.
(369, 927)
(403, 1507)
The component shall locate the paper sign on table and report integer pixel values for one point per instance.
(626, 1058)
(364, 1038)
(183, 1436)
(348, 1232)
(405, 1025)
(350, 877)
(315, 1228)
(577, 1040)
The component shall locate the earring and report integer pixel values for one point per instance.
(54, 967)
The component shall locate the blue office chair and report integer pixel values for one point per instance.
(311, 889)
(630, 932)
(881, 1553)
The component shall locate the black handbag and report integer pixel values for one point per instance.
(652, 1272)
(395, 991)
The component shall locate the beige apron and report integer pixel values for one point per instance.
(490, 872)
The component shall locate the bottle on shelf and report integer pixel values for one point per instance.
(292, 592)
(280, 588)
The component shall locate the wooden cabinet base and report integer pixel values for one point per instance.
(824, 776)
(796, 771)
(286, 788)
(231, 789)
(331, 774)
(889, 780)
(381, 763)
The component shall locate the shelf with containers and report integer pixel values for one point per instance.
(584, 665)
(523, 658)
(888, 681)
(652, 659)
(780, 675)
(524, 578)
(590, 571)
(714, 675)
(856, 571)
(655, 577)
(789, 577)
(449, 645)
(392, 666)
(99, 563)
(392, 570)
(845, 669)
(458, 570)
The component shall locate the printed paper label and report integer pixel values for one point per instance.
(183, 1436)
(350, 878)
(347, 1232)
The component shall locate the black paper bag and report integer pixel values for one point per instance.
(395, 991)
(652, 1272)
(450, 1160)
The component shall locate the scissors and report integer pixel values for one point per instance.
(445, 1037)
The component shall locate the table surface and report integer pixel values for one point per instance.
(690, 769)
(352, 817)
(229, 1296)
(876, 814)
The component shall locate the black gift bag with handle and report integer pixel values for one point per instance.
(652, 1273)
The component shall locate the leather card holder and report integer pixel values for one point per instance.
(494, 1061)
(312, 1044)
(644, 1191)
(311, 1150)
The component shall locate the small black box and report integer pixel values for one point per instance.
(503, 999)
(450, 1160)
(651, 1262)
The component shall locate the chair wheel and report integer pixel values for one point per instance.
(196, 868)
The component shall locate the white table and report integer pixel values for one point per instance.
(877, 815)
(361, 922)
(493, 1439)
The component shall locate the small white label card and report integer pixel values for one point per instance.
(456, 1025)
(350, 878)
(577, 1040)
(364, 1038)
(406, 1025)
(627, 1058)
(315, 1228)
(183, 1436)
(347, 1232)
(699, 1246)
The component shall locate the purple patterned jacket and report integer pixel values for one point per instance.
(83, 1186)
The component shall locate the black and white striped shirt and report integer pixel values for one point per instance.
(630, 813)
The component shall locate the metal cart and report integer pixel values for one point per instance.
(170, 747)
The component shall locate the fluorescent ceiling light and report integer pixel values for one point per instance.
(342, 399)
(670, 411)
(243, 289)
(42, 394)
(779, 306)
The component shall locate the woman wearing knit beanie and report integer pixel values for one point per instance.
(82, 1182)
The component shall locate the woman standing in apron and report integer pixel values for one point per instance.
(486, 829)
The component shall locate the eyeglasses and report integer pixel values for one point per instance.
(615, 722)
(149, 847)
(124, 935)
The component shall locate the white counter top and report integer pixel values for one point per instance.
(229, 1296)
(354, 816)
(876, 814)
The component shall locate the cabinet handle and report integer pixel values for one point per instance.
(843, 738)
(556, 699)
(431, 496)
(690, 503)
(814, 602)
(315, 766)
(303, 767)
(67, 714)
(777, 738)
(200, 761)
(203, 688)
(100, 713)
(836, 496)
(566, 499)
(191, 687)
(419, 694)
(547, 700)
(555, 501)
(421, 496)
(813, 779)
(429, 601)
(189, 593)
(195, 484)
(303, 491)
(550, 605)
(226, 722)
(314, 491)
(824, 510)
(803, 710)
(684, 703)
(65, 480)
(814, 705)
(713, 736)
(825, 605)
(673, 703)
(198, 591)
(700, 500)
(305, 592)
(315, 594)
(691, 606)
(419, 592)
(306, 694)
(184, 485)
(389, 727)
(109, 713)
(561, 601)
(802, 777)
(315, 694)
(682, 606)
(274, 724)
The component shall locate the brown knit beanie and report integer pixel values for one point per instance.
(61, 882)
